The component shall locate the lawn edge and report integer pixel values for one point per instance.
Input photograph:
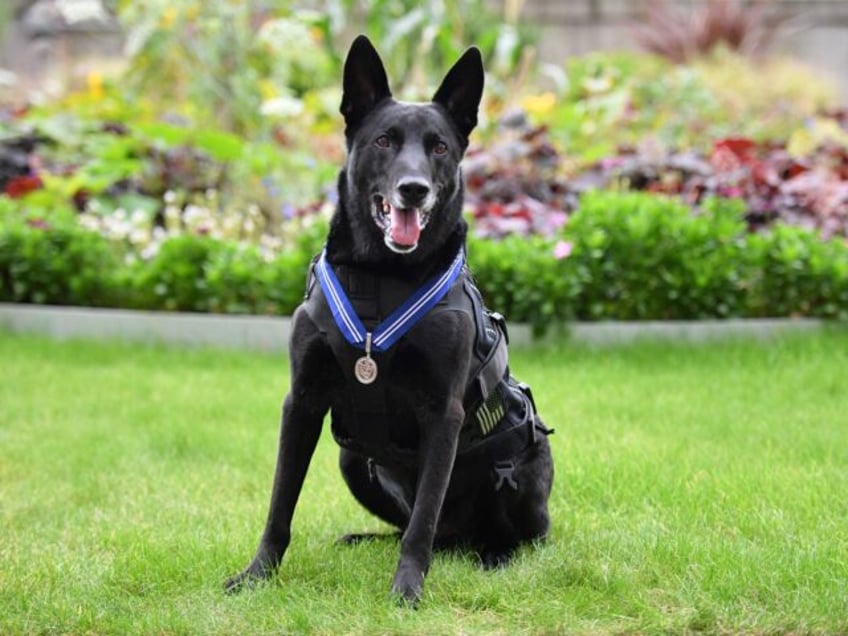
(271, 333)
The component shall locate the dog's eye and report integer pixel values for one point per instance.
(383, 141)
(440, 148)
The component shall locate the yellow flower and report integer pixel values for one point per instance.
(169, 16)
(818, 131)
(539, 104)
(94, 81)
(267, 89)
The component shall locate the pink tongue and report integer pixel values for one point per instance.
(405, 229)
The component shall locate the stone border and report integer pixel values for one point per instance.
(619, 332)
(266, 333)
(193, 329)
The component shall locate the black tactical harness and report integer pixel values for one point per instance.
(500, 415)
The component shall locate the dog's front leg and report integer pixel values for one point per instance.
(299, 433)
(436, 458)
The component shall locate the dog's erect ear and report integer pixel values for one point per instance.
(462, 89)
(365, 81)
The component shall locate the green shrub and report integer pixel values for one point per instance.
(287, 271)
(800, 274)
(240, 279)
(195, 272)
(175, 278)
(623, 256)
(632, 257)
(237, 280)
(287, 280)
(520, 278)
(636, 256)
(55, 262)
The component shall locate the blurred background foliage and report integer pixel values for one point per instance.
(221, 121)
(240, 64)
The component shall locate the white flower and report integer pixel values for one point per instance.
(230, 225)
(82, 11)
(194, 214)
(281, 107)
(138, 217)
(138, 236)
(117, 229)
(7, 78)
(150, 251)
(172, 216)
(288, 36)
(89, 222)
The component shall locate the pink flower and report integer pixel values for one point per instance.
(558, 219)
(562, 250)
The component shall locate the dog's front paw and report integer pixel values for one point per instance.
(408, 585)
(255, 573)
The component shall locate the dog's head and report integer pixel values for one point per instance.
(402, 185)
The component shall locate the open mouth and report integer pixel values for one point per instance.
(401, 226)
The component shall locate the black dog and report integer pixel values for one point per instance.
(437, 438)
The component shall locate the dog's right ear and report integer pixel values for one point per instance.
(365, 82)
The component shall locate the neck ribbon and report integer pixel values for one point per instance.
(401, 320)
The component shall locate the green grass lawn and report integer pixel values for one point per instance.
(698, 487)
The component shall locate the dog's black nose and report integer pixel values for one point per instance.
(413, 191)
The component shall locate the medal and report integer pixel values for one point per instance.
(365, 368)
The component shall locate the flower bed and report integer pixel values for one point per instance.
(520, 183)
(621, 256)
(634, 190)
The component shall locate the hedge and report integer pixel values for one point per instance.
(624, 256)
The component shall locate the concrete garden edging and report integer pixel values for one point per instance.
(270, 333)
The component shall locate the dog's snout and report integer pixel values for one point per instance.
(413, 191)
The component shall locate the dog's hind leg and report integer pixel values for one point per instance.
(514, 517)
(376, 489)
(535, 472)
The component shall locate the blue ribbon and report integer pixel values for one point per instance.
(399, 321)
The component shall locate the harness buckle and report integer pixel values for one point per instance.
(503, 472)
(525, 389)
(500, 321)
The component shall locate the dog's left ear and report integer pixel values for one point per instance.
(462, 89)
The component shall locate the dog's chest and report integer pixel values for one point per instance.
(413, 378)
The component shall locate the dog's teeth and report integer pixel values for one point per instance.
(386, 207)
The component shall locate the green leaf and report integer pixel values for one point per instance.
(168, 134)
(222, 146)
